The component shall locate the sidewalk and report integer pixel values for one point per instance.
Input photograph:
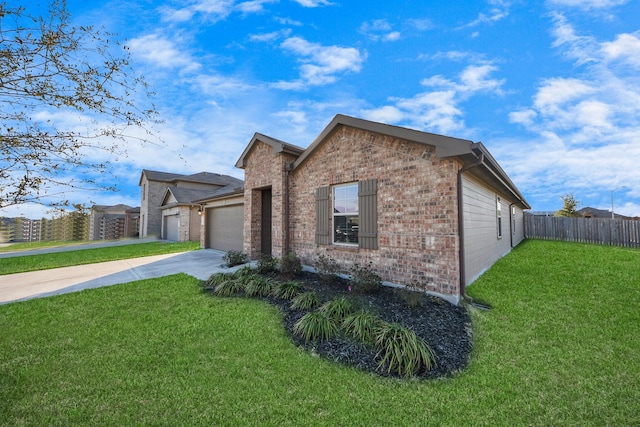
(23, 286)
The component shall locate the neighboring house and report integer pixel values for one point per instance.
(113, 222)
(171, 205)
(599, 213)
(423, 210)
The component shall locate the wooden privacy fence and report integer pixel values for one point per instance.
(617, 232)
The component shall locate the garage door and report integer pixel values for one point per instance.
(224, 228)
(171, 228)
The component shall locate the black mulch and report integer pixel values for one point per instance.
(445, 327)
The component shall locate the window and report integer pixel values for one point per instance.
(345, 214)
(499, 216)
(513, 219)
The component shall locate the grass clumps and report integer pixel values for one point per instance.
(315, 326)
(402, 351)
(305, 301)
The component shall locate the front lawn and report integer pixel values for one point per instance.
(559, 347)
(21, 264)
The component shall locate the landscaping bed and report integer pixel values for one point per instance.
(446, 328)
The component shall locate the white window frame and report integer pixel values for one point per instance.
(343, 233)
(499, 216)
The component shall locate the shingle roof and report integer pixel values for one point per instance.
(191, 196)
(200, 177)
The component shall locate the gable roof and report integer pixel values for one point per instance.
(277, 146)
(200, 177)
(194, 196)
(600, 213)
(466, 151)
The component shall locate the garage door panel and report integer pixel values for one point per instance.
(224, 228)
(171, 228)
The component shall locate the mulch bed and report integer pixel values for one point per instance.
(445, 327)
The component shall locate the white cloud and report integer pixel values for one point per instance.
(320, 64)
(270, 37)
(379, 29)
(625, 48)
(162, 52)
(499, 10)
(253, 6)
(212, 10)
(439, 110)
(588, 4)
(313, 3)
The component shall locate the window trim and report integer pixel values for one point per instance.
(499, 217)
(335, 214)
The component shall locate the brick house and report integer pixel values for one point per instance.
(170, 204)
(426, 210)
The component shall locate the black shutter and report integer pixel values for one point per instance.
(323, 237)
(368, 208)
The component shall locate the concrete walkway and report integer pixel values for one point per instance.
(23, 286)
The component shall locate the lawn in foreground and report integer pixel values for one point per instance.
(21, 264)
(559, 347)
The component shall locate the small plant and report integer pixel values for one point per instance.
(337, 309)
(258, 286)
(361, 325)
(267, 264)
(305, 301)
(229, 287)
(216, 279)
(413, 299)
(290, 265)
(315, 326)
(287, 290)
(233, 258)
(402, 350)
(365, 280)
(327, 268)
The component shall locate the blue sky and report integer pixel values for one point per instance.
(552, 88)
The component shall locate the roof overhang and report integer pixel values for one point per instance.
(277, 146)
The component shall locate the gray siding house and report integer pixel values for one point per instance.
(169, 206)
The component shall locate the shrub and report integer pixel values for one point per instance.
(216, 279)
(327, 269)
(361, 325)
(287, 290)
(267, 264)
(365, 280)
(315, 326)
(402, 350)
(233, 258)
(337, 309)
(305, 301)
(290, 265)
(229, 287)
(258, 286)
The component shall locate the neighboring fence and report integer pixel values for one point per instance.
(617, 232)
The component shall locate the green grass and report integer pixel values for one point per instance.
(22, 264)
(560, 347)
(24, 246)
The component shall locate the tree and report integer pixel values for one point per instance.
(570, 206)
(68, 98)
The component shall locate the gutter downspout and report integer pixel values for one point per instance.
(461, 254)
(287, 170)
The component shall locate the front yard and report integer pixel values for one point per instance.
(559, 347)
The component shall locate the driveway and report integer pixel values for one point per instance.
(23, 286)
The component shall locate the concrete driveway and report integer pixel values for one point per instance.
(23, 286)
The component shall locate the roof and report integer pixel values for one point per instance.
(194, 196)
(200, 177)
(600, 213)
(277, 145)
(109, 208)
(468, 152)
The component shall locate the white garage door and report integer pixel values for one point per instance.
(224, 228)
(171, 228)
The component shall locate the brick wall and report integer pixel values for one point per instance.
(417, 207)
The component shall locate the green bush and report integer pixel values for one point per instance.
(233, 258)
(287, 290)
(216, 279)
(259, 286)
(327, 268)
(337, 309)
(402, 350)
(361, 326)
(267, 264)
(365, 280)
(229, 287)
(315, 326)
(305, 301)
(290, 265)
